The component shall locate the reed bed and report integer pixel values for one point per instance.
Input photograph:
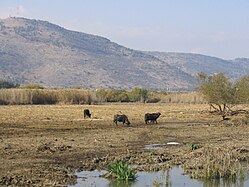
(178, 97)
(79, 96)
(215, 163)
(45, 96)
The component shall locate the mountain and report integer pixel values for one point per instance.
(194, 63)
(34, 51)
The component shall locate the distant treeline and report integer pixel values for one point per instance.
(27, 96)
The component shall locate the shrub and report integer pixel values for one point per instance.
(8, 84)
(33, 86)
(153, 100)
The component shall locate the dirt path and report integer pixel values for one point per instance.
(44, 145)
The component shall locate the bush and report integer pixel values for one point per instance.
(8, 84)
(153, 100)
(33, 86)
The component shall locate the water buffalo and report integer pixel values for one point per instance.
(121, 118)
(87, 113)
(151, 117)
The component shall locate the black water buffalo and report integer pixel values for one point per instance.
(151, 117)
(87, 113)
(121, 118)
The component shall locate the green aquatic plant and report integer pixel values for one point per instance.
(121, 170)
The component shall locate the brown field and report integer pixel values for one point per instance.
(44, 145)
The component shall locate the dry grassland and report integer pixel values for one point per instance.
(44, 145)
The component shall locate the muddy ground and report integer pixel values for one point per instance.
(45, 145)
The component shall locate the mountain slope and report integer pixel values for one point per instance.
(33, 51)
(194, 63)
(41, 52)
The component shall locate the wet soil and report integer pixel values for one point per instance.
(45, 145)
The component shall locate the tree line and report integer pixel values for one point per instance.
(218, 91)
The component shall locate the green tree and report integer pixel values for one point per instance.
(122, 96)
(242, 90)
(139, 94)
(102, 95)
(219, 91)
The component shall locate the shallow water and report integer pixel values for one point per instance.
(157, 146)
(172, 178)
(154, 146)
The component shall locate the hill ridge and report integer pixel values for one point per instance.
(35, 51)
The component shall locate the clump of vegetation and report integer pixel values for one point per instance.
(33, 86)
(222, 94)
(194, 146)
(106, 95)
(139, 94)
(215, 164)
(8, 84)
(135, 95)
(122, 171)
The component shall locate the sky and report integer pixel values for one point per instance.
(217, 28)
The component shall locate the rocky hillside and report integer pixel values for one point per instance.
(33, 51)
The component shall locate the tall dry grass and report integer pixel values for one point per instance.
(216, 163)
(45, 96)
(78, 96)
(190, 97)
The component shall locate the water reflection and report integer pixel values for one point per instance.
(171, 178)
(226, 183)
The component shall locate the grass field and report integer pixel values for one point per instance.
(44, 144)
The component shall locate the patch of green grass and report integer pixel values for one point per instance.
(194, 146)
(122, 171)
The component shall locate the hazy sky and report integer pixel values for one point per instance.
(213, 27)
